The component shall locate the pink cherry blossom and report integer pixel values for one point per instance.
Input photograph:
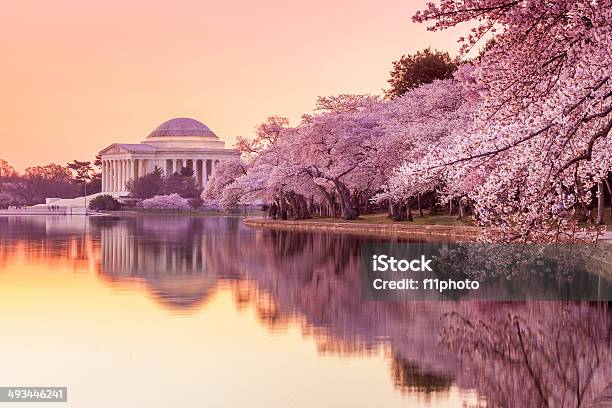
(167, 202)
(520, 135)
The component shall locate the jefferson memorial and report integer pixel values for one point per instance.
(177, 143)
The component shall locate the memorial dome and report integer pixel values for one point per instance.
(182, 127)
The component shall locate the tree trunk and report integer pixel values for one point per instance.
(450, 207)
(461, 210)
(419, 204)
(341, 204)
(398, 211)
(293, 208)
(409, 215)
(328, 198)
(610, 193)
(433, 210)
(350, 210)
(305, 211)
(282, 207)
(600, 203)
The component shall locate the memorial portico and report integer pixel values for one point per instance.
(175, 144)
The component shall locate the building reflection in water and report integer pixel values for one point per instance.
(313, 281)
(289, 278)
(176, 258)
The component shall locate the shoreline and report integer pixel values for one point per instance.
(394, 230)
(128, 213)
(69, 211)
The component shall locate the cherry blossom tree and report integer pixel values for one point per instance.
(224, 173)
(324, 157)
(520, 135)
(418, 126)
(336, 146)
(542, 128)
(266, 134)
(167, 202)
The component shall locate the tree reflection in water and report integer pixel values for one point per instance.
(540, 354)
(515, 354)
(407, 376)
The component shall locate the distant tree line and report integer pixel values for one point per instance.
(51, 180)
(78, 178)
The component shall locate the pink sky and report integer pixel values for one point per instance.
(77, 76)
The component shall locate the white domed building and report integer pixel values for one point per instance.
(176, 143)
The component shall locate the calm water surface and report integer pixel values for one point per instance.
(204, 312)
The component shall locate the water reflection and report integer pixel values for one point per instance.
(409, 377)
(54, 239)
(173, 259)
(560, 353)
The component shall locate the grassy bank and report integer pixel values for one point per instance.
(377, 225)
(426, 219)
(383, 218)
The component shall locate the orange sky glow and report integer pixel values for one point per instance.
(77, 76)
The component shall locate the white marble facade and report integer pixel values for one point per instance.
(177, 143)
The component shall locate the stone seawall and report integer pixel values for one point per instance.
(437, 232)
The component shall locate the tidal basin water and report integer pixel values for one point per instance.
(164, 311)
